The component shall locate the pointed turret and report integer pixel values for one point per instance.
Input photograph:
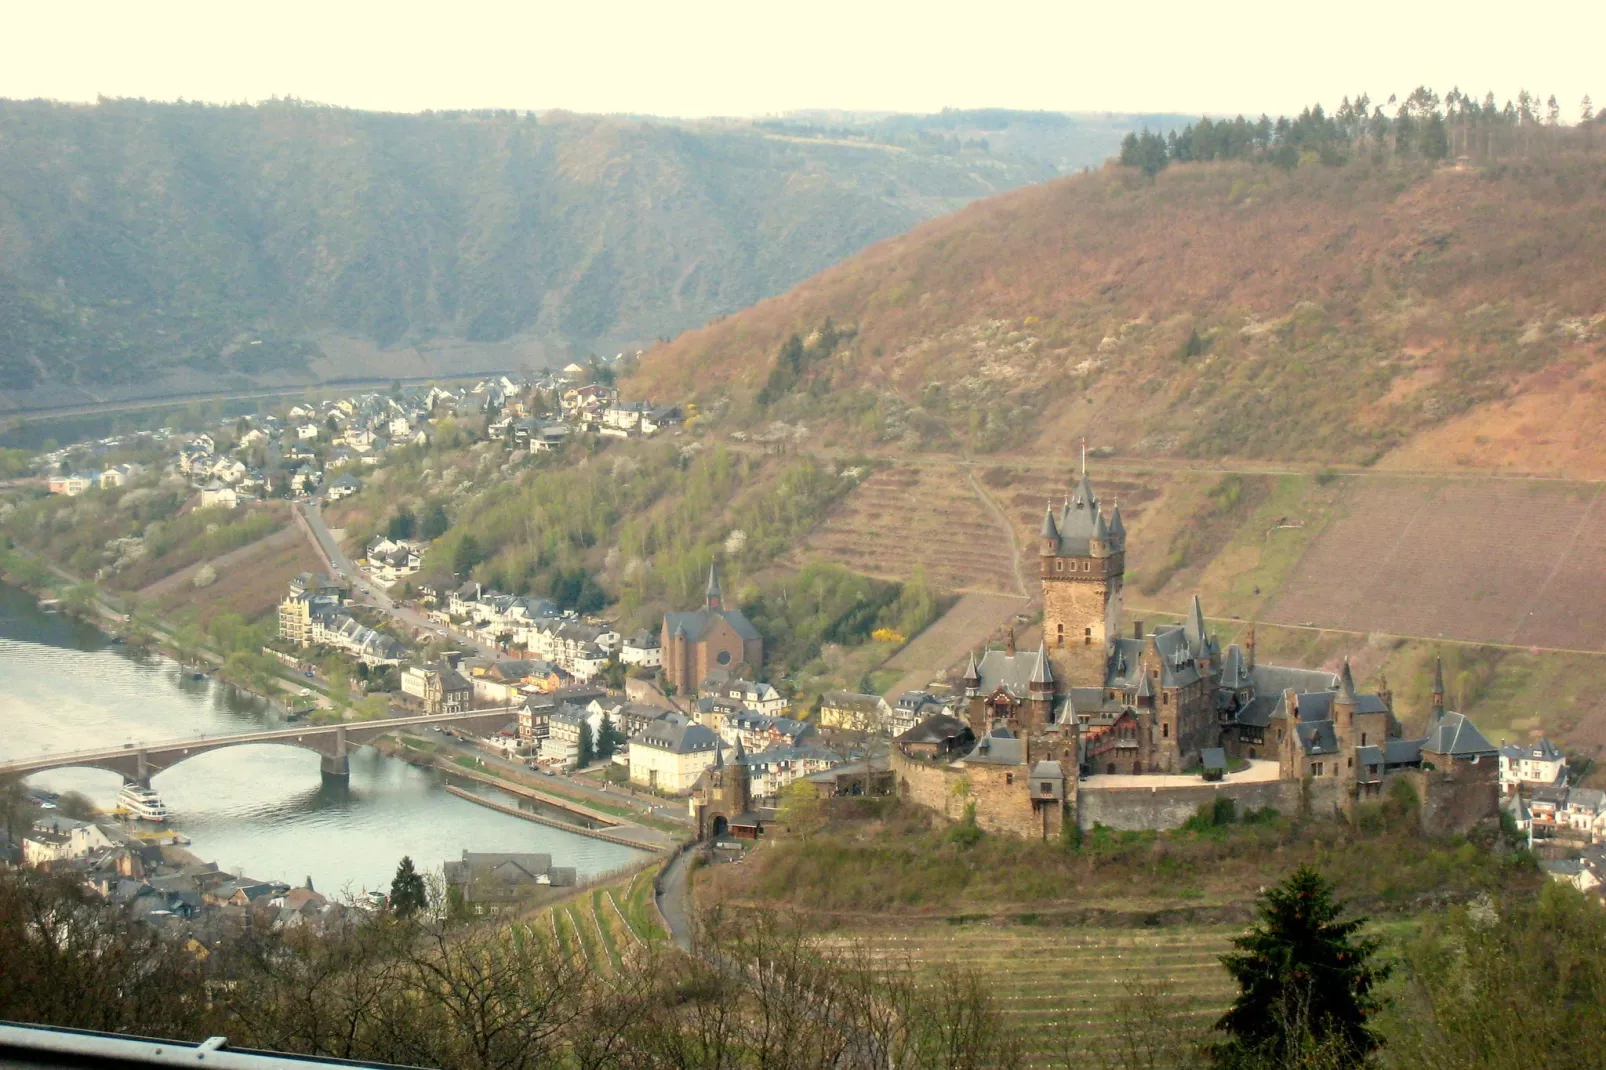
(1346, 687)
(1042, 674)
(1145, 690)
(1437, 700)
(972, 679)
(1083, 497)
(1050, 533)
(716, 600)
(1194, 627)
(1117, 528)
(741, 752)
(719, 756)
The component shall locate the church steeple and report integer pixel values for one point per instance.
(1437, 700)
(716, 600)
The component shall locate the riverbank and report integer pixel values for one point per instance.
(614, 834)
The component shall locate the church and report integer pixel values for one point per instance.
(1091, 702)
(712, 640)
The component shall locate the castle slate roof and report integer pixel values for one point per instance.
(998, 748)
(1012, 672)
(938, 728)
(1233, 674)
(1541, 750)
(1398, 752)
(696, 623)
(1048, 770)
(1317, 737)
(1458, 737)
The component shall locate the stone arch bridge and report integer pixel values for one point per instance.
(138, 762)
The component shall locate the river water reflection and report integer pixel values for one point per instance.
(262, 809)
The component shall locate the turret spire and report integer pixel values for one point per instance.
(1042, 675)
(1194, 627)
(1437, 700)
(1346, 686)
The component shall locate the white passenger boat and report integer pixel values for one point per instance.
(142, 803)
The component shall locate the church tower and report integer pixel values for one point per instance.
(1082, 561)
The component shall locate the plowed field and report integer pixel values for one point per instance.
(1491, 561)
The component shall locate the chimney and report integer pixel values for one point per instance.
(1137, 629)
(1009, 641)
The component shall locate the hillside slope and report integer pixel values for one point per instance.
(1225, 309)
(155, 247)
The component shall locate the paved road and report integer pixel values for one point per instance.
(410, 617)
(674, 900)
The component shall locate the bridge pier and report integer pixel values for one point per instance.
(337, 766)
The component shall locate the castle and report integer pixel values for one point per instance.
(1090, 702)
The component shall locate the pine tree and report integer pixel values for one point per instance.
(606, 738)
(407, 892)
(1306, 982)
(588, 749)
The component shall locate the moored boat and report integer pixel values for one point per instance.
(141, 803)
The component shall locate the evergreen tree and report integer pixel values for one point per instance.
(407, 892)
(402, 525)
(466, 555)
(588, 748)
(435, 522)
(606, 738)
(1306, 982)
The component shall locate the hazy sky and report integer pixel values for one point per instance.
(692, 58)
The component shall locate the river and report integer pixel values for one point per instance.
(264, 810)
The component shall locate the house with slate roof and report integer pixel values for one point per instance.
(1539, 764)
(697, 643)
(671, 752)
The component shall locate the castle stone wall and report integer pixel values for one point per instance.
(1140, 809)
(1078, 606)
(999, 793)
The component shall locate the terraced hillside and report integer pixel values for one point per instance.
(908, 518)
(605, 922)
(1065, 988)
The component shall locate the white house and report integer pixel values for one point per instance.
(54, 838)
(642, 649)
(220, 495)
(758, 697)
(306, 431)
(1538, 765)
(670, 753)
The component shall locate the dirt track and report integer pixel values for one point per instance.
(966, 625)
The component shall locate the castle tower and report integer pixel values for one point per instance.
(972, 678)
(1082, 564)
(1344, 706)
(1040, 692)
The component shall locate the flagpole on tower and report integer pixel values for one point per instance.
(1084, 455)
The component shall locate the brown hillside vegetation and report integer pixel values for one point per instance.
(1221, 309)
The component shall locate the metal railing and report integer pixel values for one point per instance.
(47, 1046)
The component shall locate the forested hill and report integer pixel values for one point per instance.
(150, 248)
(1322, 293)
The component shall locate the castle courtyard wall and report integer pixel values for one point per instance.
(1155, 809)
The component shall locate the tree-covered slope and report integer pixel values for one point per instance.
(148, 247)
(1325, 311)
